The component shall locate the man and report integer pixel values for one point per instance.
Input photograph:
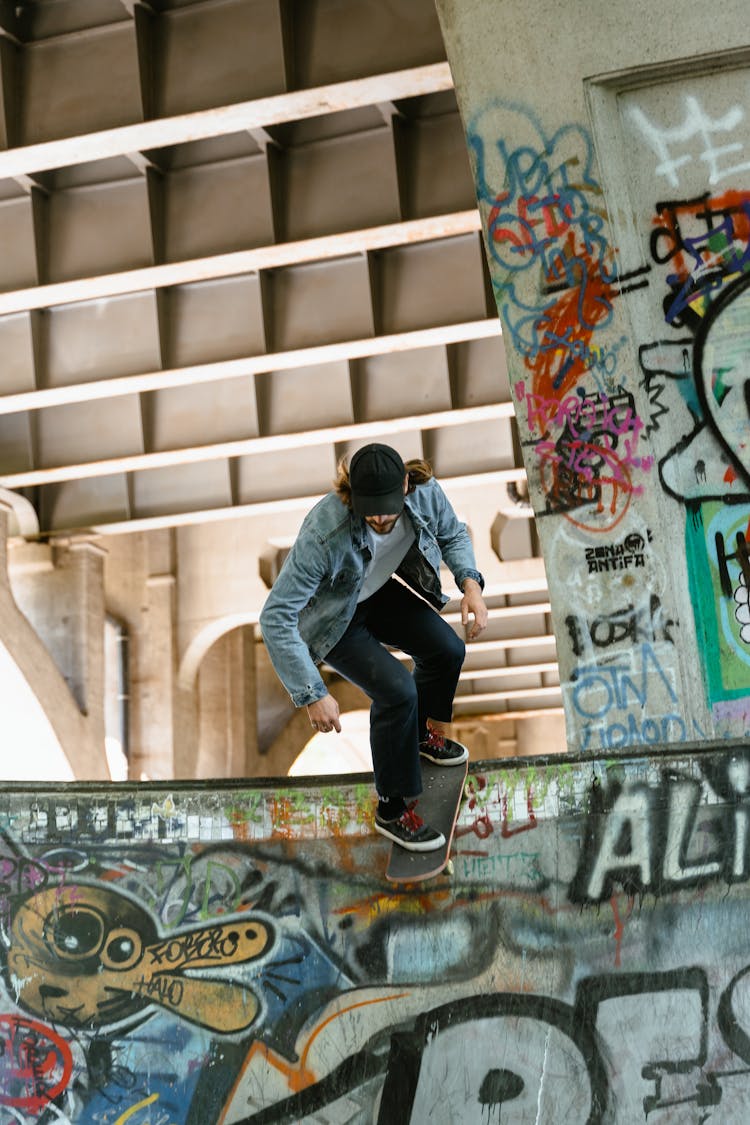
(336, 599)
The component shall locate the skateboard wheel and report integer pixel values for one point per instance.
(449, 867)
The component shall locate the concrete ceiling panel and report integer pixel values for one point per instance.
(12, 189)
(339, 185)
(113, 170)
(18, 266)
(533, 653)
(201, 414)
(81, 503)
(16, 442)
(315, 304)
(514, 540)
(213, 321)
(480, 372)
(43, 19)
(98, 339)
(436, 104)
(291, 134)
(475, 448)
(275, 476)
(89, 431)
(212, 150)
(16, 347)
(533, 625)
(387, 386)
(232, 51)
(217, 208)
(437, 173)
(99, 229)
(511, 701)
(79, 84)
(340, 39)
(438, 282)
(181, 488)
(305, 398)
(469, 686)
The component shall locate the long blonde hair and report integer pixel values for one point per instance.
(418, 471)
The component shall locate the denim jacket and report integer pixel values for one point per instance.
(315, 595)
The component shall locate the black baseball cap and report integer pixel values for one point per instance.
(376, 477)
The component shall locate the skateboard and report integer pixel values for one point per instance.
(439, 802)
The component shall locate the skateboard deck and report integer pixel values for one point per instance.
(438, 805)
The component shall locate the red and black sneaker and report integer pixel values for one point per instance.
(441, 750)
(410, 831)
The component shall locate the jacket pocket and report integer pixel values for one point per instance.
(344, 580)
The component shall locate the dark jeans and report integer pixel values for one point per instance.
(402, 701)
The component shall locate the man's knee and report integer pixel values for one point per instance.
(402, 691)
(455, 650)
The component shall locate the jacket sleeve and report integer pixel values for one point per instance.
(453, 539)
(305, 567)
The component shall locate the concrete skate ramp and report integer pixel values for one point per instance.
(190, 955)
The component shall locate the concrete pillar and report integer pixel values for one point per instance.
(227, 737)
(155, 754)
(52, 625)
(612, 168)
(84, 562)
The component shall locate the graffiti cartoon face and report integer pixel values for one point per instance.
(89, 956)
(722, 364)
(67, 950)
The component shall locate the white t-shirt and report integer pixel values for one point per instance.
(388, 552)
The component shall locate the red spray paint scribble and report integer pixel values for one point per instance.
(482, 825)
(619, 930)
(505, 831)
(611, 489)
(532, 212)
(35, 1063)
(546, 230)
(730, 476)
(575, 315)
(482, 828)
(620, 926)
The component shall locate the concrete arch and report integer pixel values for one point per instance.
(204, 639)
(78, 734)
(289, 744)
(22, 517)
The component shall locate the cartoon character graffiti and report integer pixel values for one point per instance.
(90, 957)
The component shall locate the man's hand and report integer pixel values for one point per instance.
(472, 604)
(324, 714)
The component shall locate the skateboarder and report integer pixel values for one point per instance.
(336, 598)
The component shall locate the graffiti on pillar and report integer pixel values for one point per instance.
(711, 141)
(592, 424)
(587, 451)
(628, 698)
(722, 372)
(698, 382)
(703, 242)
(645, 623)
(544, 215)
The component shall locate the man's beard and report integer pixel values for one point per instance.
(383, 528)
